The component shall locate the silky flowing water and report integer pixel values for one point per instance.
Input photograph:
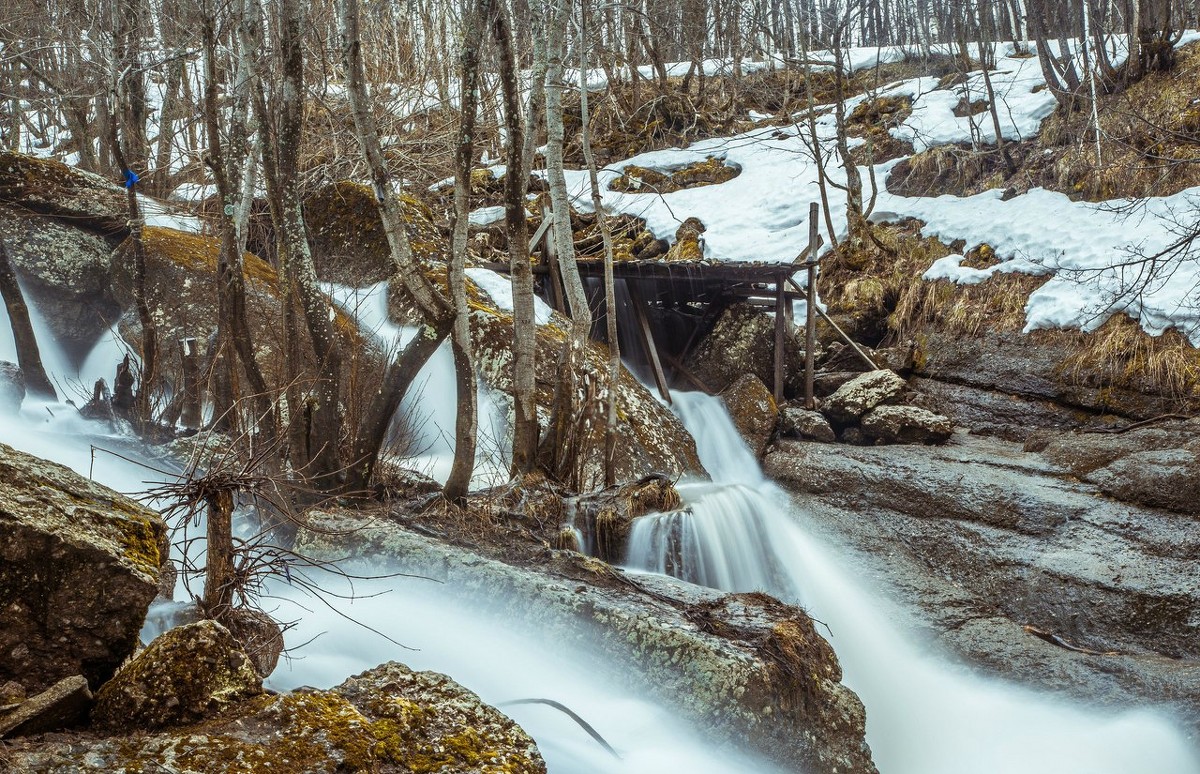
(925, 713)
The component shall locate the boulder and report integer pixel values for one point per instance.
(650, 438)
(185, 675)
(743, 342)
(906, 424)
(863, 393)
(65, 273)
(62, 705)
(802, 423)
(752, 409)
(1165, 478)
(839, 357)
(79, 565)
(257, 634)
(825, 383)
(388, 720)
(12, 387)
(52, 188)
(605, 518)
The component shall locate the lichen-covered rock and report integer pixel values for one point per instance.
(689, 245)
(12, 387)
(743, 342)
(388, 720)
(753, 411)
(863, 393)
(64, 270)
(802, 423)
(62, 705)
(79, 565)
(185, 675)
(906, 424)
(49, 187)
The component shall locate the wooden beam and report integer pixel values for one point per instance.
(780, 335)
(810, 326)
(639, 311)
(687, 373)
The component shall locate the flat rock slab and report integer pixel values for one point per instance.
(61, 705)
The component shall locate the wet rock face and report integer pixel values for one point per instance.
(12, 387)
(187, 674)
(743, 342)
(906, 424)
(1156, 466)
(79, 565)
(65, 272)
(861, 394)
(752, 409)
(389, 720)
(605, 518)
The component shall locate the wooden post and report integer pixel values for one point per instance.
(780, 334)
(810, 317)
(639, 311)
(557, 296)
(191, 416)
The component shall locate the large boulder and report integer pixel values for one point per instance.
(650, 438)
(743, 342)
(863, 393)
(753, 411)
(64, 271)
(604, 519)
(52, 188)
(906, 424)
(79, 565)
(389, 720)
(185, 675)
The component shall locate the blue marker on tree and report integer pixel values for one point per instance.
(131, 178)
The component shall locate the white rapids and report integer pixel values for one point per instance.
(925, 714)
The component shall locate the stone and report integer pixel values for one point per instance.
(1163, 478)
(802, 423)
(79, 565)
(753, 411)
(259, 636)
(605, 518)
(185, 675)
(12, 387)
(906, 424)
(388, 720)
(47, 187)
(845, 358)
(825, 383)
(62, 705)
(743, 342)
(863, 393)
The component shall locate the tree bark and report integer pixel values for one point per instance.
(29, 358)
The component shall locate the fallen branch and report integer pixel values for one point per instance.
(593, 733)
(1054, 639)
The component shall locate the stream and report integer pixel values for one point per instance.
(925, 714)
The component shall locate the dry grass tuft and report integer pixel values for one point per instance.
(1121, 354)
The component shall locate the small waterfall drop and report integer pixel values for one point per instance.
(925, 714)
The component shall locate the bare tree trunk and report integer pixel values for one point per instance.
(219, 574)
(466, 426)
(324, 422)
(610, 296)
(524, 348)
(29, 358)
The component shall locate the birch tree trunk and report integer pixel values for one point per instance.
(29, 358)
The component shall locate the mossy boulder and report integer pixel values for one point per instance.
(743, 342)
(52, 188)
(753, 411)
(185, 675)
(346, 233)
(79, 566)
(605, 518)
(388, 720)
(650, 438)
(906, 424)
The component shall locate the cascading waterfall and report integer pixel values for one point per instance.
(500, 659)
(925, 715)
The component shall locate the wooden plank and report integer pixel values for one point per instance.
(639, 311)
(780, 335)
(687, 373)
(810, 323)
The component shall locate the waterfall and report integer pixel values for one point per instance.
(925, 714)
